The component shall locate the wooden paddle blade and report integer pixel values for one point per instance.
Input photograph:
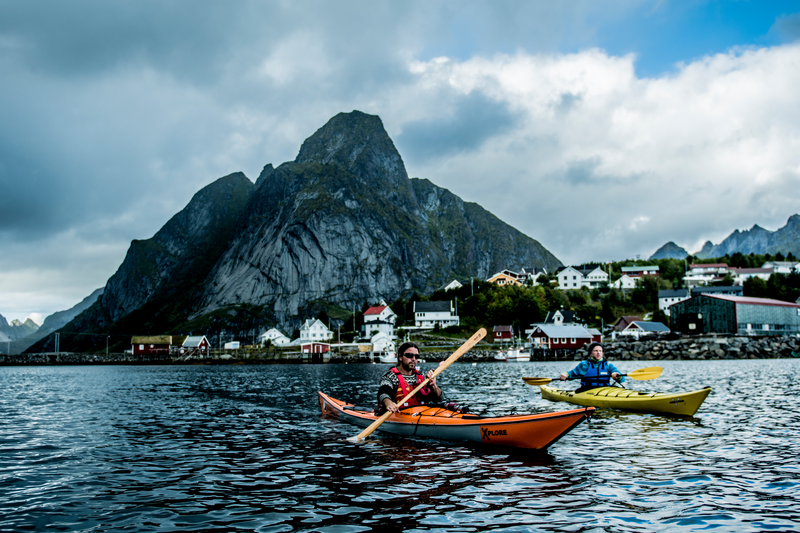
(651, 372)
(537, 381)
(464, 348)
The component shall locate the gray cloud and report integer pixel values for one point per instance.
(115, 114)
(474, 119)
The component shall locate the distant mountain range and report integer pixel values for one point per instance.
(340, 226)
(16, 330)
(756, 240)
(30, 333)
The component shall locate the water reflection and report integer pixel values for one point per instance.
(221, 448)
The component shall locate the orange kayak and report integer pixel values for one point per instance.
(532, 431)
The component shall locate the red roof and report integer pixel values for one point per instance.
(708, 265)
(750, 300)
(375, 310)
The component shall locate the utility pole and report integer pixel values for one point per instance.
(107, 336)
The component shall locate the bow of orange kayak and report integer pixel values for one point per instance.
(531, 431)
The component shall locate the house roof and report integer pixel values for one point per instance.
(376, 310)
(432, 307)
(751, 270)
(569, 316)
(654, 327)
(572, 332)
(708, 265)
(193, 342)
(730, 288)
(677, 293)
(639, 268)
(152, 339)
(502, 328)
(627, 319)
(750, 300)
(273, 330)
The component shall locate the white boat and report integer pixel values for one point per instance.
(387, 358)
(518, 355)
(501, 356)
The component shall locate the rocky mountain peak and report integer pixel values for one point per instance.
(670, 251)
(359, 144)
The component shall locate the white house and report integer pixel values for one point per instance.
(528, 275)
(782, 267)
(381, 342)
(667, 298)
(624, 282)
(704, 273)
(741, 274)
(575, 278)
(431, 314)
(314, 331)
(455, 284)
(275, 337)
(378, 319)
(639, 271)
(638, 329)
(569, 278)
(593, 277)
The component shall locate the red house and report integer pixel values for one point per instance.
(315, 347)
(197, 344)
(151, 344)
(503, 333)
(561, 337)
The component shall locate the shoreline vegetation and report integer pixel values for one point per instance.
(711, 347)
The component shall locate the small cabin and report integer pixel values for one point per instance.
(503, 333)
(151, 345)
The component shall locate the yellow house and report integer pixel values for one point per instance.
(504, 278)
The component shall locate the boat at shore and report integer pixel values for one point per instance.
(526, 431)
(518, 355)
(512, 355)
(681, 403)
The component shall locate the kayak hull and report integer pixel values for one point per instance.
(682, 403)
(531, 431)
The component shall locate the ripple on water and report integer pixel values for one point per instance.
(226, 448)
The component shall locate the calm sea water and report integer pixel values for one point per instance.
(243, 448)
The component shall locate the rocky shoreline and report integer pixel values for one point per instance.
(686, 348)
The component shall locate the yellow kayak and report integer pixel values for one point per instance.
(682, 403)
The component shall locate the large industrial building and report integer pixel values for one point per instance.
(716, 313)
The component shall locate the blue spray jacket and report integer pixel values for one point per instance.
(594, 373)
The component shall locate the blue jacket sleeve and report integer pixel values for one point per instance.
(613, 369)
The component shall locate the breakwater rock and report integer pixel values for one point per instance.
(699, 348)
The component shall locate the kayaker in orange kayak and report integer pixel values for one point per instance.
(398, 382)
(594, 371)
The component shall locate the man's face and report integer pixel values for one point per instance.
(597, 353)
(408, 361)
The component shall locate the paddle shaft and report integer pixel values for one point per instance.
(464, 348)
(641, 374)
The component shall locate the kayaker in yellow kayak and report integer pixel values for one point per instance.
(594, 371)
(398, 382)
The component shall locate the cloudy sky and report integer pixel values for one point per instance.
(601, 128)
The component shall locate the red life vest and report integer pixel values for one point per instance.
(404, 388)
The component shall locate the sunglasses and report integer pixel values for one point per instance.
(410, 355)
